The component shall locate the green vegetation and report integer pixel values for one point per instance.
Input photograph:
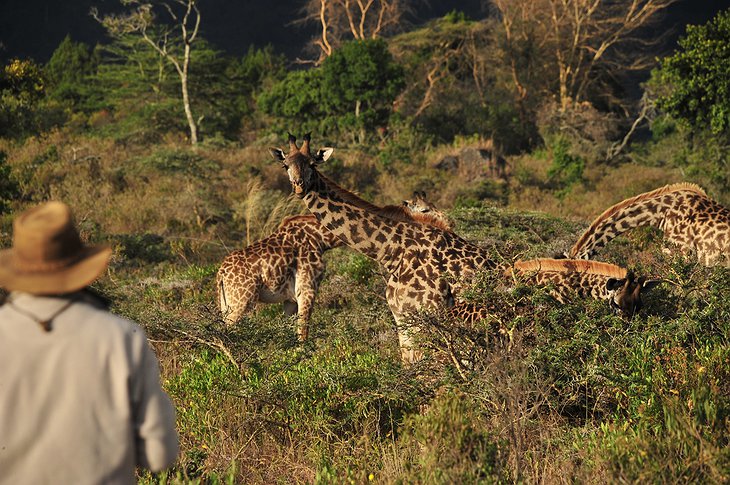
(692, 88)
(352, 92)
(539, 392)
(697, 77)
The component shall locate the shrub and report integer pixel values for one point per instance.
(352, 92)
(566, 168)
(696, 79)
(9, 188)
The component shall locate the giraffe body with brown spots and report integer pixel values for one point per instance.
(587, 279)
(688, 218)
(420, 262)
(287, 266)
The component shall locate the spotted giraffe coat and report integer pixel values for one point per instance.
(420, 262)
(284, 267)
(288, 266)
(686, 215)
(602, 281)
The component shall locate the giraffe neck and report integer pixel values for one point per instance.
(353, 221)
(620, 218)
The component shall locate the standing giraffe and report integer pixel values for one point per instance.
(685, 214)
(287, 266)
(602, 281)
(419, 261)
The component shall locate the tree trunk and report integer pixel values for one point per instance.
(186, 98)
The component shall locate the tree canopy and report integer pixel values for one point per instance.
(353, 91)
(696, 78)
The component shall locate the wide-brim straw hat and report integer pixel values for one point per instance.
(47, 256)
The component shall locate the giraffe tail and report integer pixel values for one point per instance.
(222, 301)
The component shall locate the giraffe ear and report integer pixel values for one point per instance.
(614, 284)
(323, 154)
(278, 154)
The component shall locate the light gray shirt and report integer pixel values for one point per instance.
(81, 403)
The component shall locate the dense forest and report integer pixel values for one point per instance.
(522, 124)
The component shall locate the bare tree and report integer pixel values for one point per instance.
(581, 41)
(141, 20)
(340, 20)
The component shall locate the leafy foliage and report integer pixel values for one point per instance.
(22, 87)
(697, 77)
(9, 189)
(353, 91)
(69, 71)
(566, 169)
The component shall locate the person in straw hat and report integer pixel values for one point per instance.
(80, 395)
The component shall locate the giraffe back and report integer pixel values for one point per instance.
(682, 211)
(592, 279)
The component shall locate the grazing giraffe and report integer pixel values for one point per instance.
(685, 214)
(602, 281)
(287, 266)
(418, 260)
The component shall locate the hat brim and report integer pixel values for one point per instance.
(91, 263)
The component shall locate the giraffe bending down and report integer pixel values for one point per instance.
(418, 260)
(287, 266)
(602, 281)
(685, 214)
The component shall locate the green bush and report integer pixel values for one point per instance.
(9, 188)
(695, 80)
(352, 92)
(566, 169)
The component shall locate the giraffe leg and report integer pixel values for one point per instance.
(305, 289)
(237, 300)
(408, 352)
(305, 303)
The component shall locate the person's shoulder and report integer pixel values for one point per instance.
(106, 321)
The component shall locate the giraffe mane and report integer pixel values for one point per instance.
(348, 196)
(402, 214)
(392, 212)
(570, 266)
(614, 209)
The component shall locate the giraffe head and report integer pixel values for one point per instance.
(422, 210)
(625, 293)
(300, 164)
(419, 203)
